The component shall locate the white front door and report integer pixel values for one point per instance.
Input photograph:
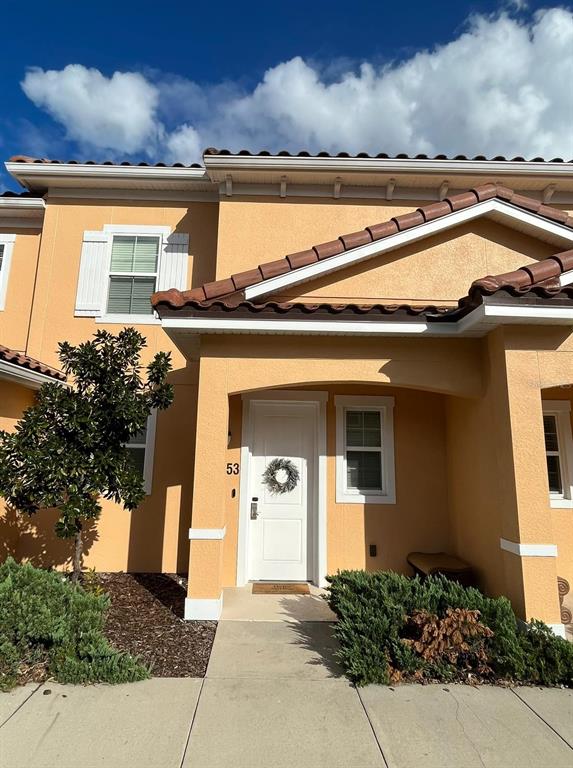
(280, 525)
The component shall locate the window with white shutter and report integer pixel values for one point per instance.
(122, 266)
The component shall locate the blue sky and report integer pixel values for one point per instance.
(117, 80)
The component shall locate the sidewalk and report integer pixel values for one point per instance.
(274, 697)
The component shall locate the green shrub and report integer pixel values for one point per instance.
(378, 643)
(50, 627)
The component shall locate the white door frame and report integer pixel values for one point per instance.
(317, 509)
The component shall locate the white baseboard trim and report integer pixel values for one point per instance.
(207, 534)
(529, 550)
(203, 609)
(558, 629)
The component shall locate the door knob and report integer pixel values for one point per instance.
(254, 508)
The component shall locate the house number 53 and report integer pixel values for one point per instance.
(232, 469)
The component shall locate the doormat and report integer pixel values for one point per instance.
(282, 588)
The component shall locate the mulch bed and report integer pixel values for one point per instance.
(146, 620)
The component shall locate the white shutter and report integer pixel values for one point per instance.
(173, 263)
(93, 277)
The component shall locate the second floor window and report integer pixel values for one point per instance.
(133, 274)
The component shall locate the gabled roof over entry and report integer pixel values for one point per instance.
(297, 267)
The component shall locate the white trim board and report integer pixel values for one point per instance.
(8, 242)
(203, 609)
(384, 405)
(319, 400)
(207, 534)
(504, 211)
(528, 550)
(477, 323)
(32, 379)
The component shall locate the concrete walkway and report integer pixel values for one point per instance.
(274, 697)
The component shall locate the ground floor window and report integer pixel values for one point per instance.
(365, 450)
(558, 451)
(141, 448)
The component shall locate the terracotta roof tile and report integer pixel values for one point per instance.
(30, 363)
(322, 251)
(380, 155)
(45, 160)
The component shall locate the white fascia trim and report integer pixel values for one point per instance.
(528, 550)
(26, 171)
(23, 203)
(347, 258)
(480, 321)
(203, 609)
(31, 379)
(320, 327)
(566, 278)
(504, 311)
(400, 165)
(207, 534)
(136, 229)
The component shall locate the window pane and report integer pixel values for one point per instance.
(137, 456)
(364, 470)
(119, 297)
(122, 252)
(354, 419)
(138, 438)
(354, 437)
(130, 295)
(134, 254)
(142, 289)
(372, 420)
(146, 252)
(363, 429)
(554, 473)
(550, 427)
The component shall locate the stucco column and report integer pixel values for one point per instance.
(204, 594)
(527, 542)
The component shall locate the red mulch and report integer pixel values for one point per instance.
(146, 620)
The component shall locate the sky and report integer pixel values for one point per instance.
(152, 81)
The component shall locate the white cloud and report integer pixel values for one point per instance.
(116, 113)
(502, 87)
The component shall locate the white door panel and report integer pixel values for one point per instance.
(279, 537)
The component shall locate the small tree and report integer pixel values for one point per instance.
(68, 450)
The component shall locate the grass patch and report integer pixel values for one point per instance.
(52, 628)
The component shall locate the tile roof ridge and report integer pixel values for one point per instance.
(233, 287)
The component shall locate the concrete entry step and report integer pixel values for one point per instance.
(239, 604)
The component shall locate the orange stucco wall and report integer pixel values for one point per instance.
(14, 399)
(15, 317)
(469, 450)
(153, 538)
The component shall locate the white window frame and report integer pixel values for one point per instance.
(149, 447)
(385, 406)
(8, 242)
(132, 230)
(561, 409)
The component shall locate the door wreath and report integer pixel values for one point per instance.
(273, 483)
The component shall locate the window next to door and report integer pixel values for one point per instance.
(365, 450)
(559, 451)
